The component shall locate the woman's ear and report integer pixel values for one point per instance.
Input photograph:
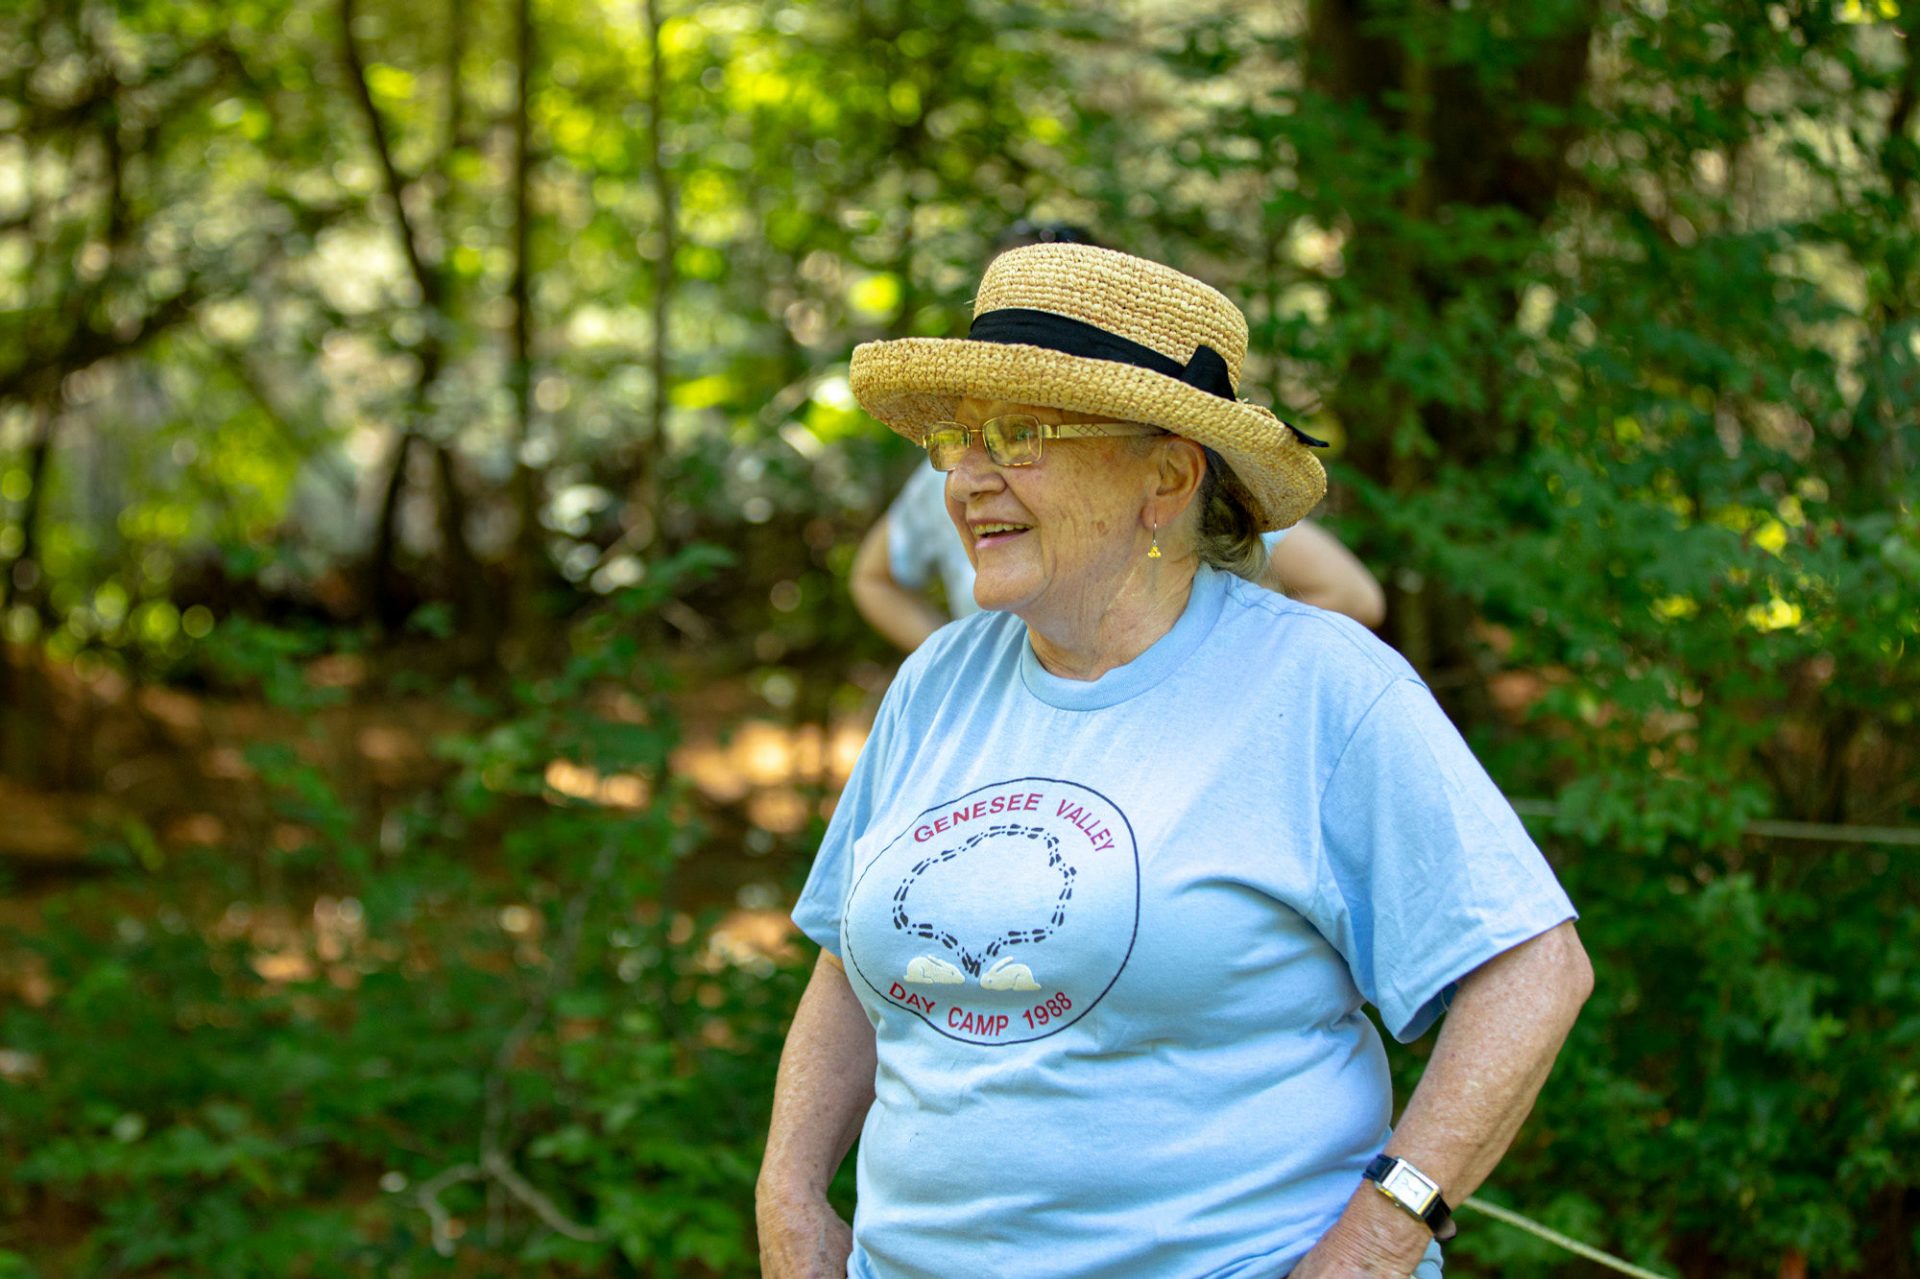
(1177, 476)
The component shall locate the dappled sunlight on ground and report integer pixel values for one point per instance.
(330, 941)
(184, 777)
(776, 771)
(761, 754)
(752, 939)
(784, 774)
(287, 948)
(613, 790)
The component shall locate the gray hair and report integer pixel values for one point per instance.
(1228, 539)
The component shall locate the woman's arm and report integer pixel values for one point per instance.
(1311, 565)
(820, 1099)
(890, 608)
(1496, 1046)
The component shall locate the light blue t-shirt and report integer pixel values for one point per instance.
(922, 542)
(1115, 937)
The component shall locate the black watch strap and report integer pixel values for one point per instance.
(1411, 1190)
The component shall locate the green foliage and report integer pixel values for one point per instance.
(230, 1088)
(1614, 315)
(1641, 458)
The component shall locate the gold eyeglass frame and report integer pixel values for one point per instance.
(988, 430)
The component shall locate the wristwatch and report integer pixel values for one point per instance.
(1411, 1190)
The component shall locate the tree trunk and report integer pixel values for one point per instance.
(24, 710)
(477, 619)
(528, 545)
(464, 579)
(647, 492)
(381, 592)
(24, 582)
(1476, 156)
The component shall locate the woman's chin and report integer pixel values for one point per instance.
(994, 594)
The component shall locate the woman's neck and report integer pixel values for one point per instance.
(1111, 628)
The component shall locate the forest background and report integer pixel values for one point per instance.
(428, 482)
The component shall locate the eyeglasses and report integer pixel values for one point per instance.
(1015, 439)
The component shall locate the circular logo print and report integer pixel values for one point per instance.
(1001, 916)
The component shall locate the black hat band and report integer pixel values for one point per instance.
(1024, 326)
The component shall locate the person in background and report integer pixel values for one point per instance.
(915, 542)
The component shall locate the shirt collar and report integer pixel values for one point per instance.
(1164, 656)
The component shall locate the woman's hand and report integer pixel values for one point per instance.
(1372, 1240)
(1495, 1049)
(821, 1098)
(801, 1238)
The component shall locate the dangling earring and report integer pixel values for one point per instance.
(1153, 551)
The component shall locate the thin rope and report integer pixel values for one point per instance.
(1823, 832)
(1554, 1237)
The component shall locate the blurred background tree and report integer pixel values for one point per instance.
(376, 379)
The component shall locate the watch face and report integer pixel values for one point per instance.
(1405, 1183)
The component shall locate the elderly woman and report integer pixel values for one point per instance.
(1101, 908)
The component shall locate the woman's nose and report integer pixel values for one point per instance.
(975, 472)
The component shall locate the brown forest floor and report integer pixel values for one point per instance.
(166, 770)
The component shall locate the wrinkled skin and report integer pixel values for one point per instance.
(1078, 574)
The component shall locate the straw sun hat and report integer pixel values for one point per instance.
(1093, 331)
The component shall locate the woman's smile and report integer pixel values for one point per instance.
(988, 534)
(1046, 539)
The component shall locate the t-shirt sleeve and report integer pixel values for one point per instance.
(1427, 871)
(824, 898)
(915, 522)
(1275, 537)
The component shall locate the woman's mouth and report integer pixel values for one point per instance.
(996, 533)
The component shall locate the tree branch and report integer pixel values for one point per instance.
(451, 140)
(439, 1220)
(423, 275)
(494, 1163)
(558, 970)
(520, 1188)
(88, 344)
